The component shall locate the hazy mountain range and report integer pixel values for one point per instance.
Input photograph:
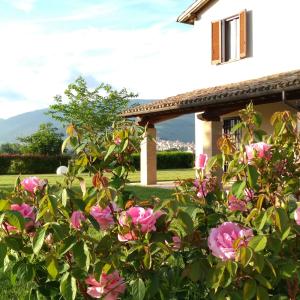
(181, 128)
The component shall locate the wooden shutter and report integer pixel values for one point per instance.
(243, 34)
(216, 42)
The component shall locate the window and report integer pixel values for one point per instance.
(229, 39)
(236, 137)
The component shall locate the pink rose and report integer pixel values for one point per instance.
(103, 216)
(261, 149)
(27, 212)
(32, 184)
(130, 236)
(176, 242)
(77, 218)
(235, 204)
(249, 194)
(297, 215)
(144, 219)
(109, 287)
(140, 218)
(117, 140)
(221, 239)
(201, 161)
(202, 189)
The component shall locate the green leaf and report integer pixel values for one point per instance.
(24, 271)
(249, 289)
(238, 189)
(246, 255)
(285, 234)
(288, 269)
(193, 271)
(52, 266)
(252, 176)
(262, 293)
(3, 252)
(281, 219)
(38, 239)
(14, 242)
(138, 289)
(211, 163)
(64, 144)
(147, 260)
(258, 243)
(109, 151)
(236, 127)
(15, 219)
(82, 255)
(4, 205)
(263, 281)
(260, 220)
(67, 245)
(259, 262)
(68, 287)
(124, 145)
(218, 276)
(187, 221)
(232, 267)
(64, 197)
(52, 204)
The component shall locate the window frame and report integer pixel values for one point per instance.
(224, 36)
(218, 39)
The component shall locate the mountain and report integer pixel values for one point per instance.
(181, 128)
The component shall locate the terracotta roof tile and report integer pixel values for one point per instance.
(217, 95)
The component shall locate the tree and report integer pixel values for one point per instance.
(10, 148)
(92, 110)
(47, 140)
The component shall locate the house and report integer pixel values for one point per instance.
(248, 50)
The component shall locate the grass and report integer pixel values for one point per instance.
(7, 182)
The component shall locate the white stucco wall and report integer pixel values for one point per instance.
(274, 47)
(274, 38)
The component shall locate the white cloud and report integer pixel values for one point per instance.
(24, 5)
(154, 62)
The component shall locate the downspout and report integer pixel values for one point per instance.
(284, 100)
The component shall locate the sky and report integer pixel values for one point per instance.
(47, 44)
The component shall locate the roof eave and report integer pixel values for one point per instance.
(188, 16)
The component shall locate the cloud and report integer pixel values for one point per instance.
(38, 62)
(24, 5)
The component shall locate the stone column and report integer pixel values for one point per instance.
(148, 157)
(207, 135)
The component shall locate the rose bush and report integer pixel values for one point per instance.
(209, 242)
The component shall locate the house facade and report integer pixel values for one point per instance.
(247, 51)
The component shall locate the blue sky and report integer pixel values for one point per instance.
(45, 45)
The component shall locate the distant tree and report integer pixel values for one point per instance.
(93, 109)
(10, 148)
(47, 140)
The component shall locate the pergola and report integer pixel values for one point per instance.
(212, 102)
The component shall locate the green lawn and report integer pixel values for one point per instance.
(7, 182)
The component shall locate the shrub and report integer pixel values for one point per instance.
(31, 164)
(206, 243)
(170, 160)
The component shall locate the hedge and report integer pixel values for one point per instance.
(170, 160)
(31, 164)
(42, 164)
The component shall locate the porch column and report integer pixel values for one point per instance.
(148, 157)
(207, 134)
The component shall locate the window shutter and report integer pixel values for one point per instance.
(216, 42)
(243, 34)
